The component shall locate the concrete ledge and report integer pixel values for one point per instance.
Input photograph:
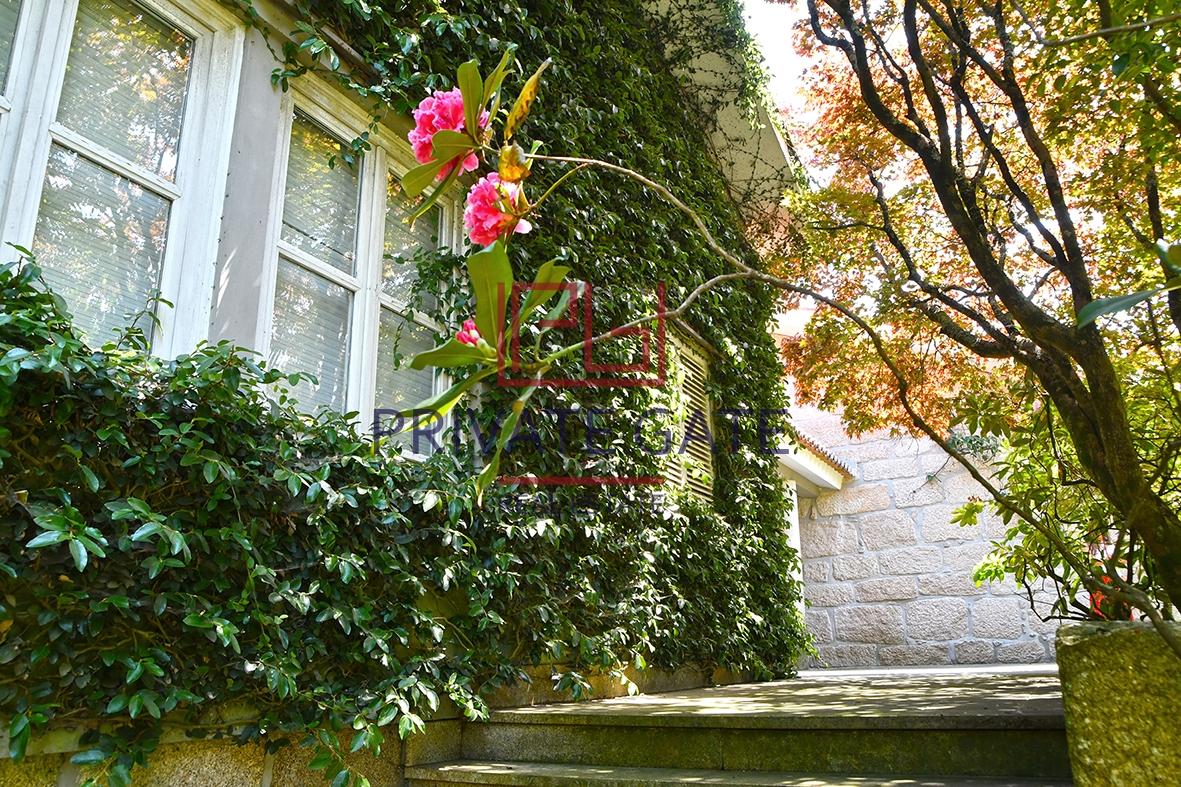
(897, 700)
(532, 774)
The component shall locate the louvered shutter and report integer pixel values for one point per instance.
(694, 468)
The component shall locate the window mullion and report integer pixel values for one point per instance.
(319, 267)
(113, 162)
(369, 256)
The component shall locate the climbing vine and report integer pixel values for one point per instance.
(153, 509)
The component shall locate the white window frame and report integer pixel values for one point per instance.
(37, 73)
(327, 108)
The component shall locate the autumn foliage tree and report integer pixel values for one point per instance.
(989, 174)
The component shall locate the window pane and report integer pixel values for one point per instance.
(320, 206)
(399, 386)
(126, 80)
(9, 11)
(310, 334)
(402, 240)
(100, 239)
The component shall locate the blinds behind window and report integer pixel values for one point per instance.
(310, 334)
(126, 82)
(320, 205)
(399, 386)
(100, 241)
(402, 240)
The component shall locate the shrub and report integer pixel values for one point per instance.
(177, 539)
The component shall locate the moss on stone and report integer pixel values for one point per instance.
(202, 764)
(1121, 686)
(31, 772)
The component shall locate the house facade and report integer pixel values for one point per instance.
(148, 151)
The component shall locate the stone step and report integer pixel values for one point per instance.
(534, 774)
(999, 727)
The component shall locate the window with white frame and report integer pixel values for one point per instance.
(117, 147)
(341, 304)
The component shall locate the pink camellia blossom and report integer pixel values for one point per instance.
(441, 111)
(483, 216)
(468, 334)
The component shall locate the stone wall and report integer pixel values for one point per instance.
(888, 575)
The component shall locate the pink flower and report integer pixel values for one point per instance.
(468, 334)
(485, 216)
(443, 110)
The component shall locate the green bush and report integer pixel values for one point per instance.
(176, 539)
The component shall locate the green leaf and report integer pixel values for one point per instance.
(119, 776)
(488, 474)
(47, 538)
(496, 78)
(430, 500)
(321, 761)
(441, 404)
(453, 353)
(549, 274)
(197, 621)
(439, 191)
(491, 275)
(418, 179)
(558, 310)
(524, 102)
(472, 88)
(146, 531)
(92, 482)
(1104, 306)
(19, 731)
(89, 757)
(80, 555)
(1169, 254)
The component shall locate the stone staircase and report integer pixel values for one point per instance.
(824, 729)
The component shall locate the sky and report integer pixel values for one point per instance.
(771, 25)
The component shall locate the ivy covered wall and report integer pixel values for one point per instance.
(154, 510)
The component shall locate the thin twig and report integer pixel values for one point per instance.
(1132, 27)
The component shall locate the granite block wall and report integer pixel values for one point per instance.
(888, 575)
